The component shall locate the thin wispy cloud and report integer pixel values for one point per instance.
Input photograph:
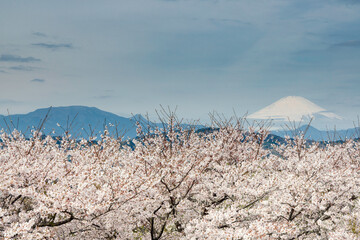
(53, 46)
(39, 34)
(22, 68)
(38, 80)
(16, 58)
(355, 43)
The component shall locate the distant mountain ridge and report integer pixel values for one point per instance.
(85, 121)
(79, 121)
(312, 133)
(90, 121)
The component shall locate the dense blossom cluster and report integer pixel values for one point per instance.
(178, 184)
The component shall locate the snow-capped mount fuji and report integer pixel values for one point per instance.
(297, 109)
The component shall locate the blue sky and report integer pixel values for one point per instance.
(129, 56)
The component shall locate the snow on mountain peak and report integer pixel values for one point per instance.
(293, 108)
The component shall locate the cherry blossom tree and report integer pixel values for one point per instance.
(175, 182)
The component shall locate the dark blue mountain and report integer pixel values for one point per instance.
(79, 121)
(312, 133)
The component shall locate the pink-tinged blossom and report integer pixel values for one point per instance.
(178, 184)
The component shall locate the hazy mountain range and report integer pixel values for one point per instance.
(318, 135)
(79, 121)
(82, 121)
